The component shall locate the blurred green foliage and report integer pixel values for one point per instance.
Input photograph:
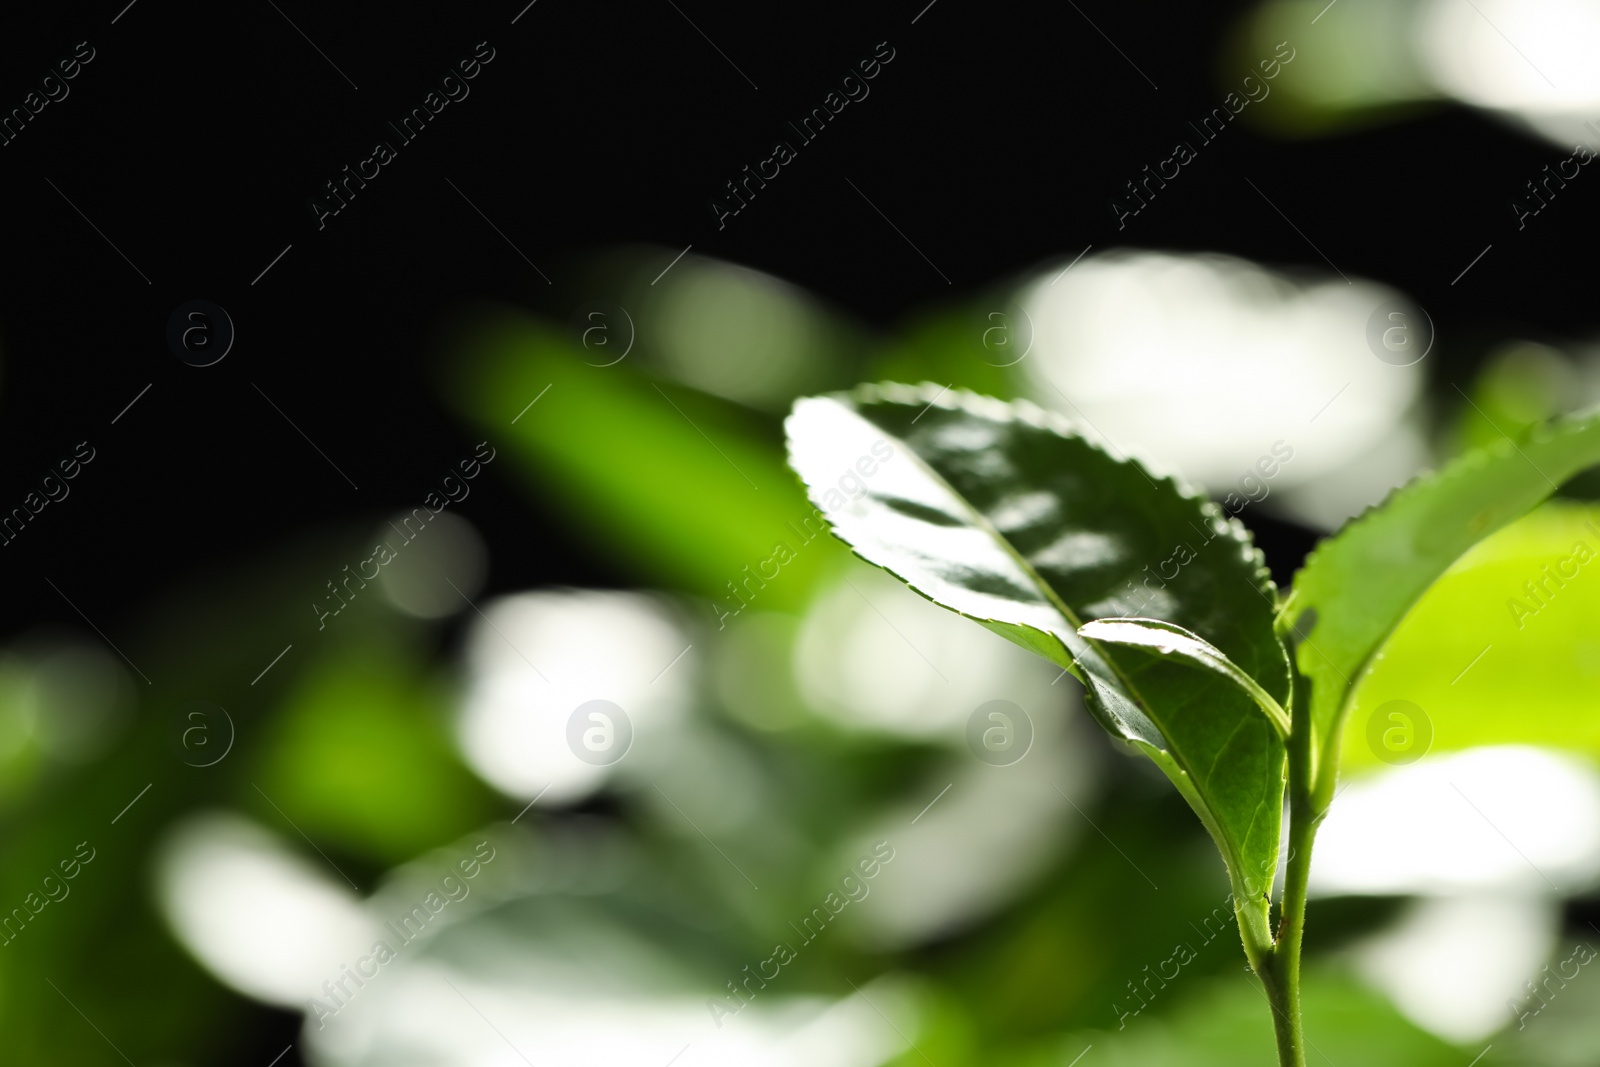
(350, 740)
(359, 755)
(685, 488)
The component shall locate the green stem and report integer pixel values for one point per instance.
(1282, 976)
(1285, 1014)
(1276, 960)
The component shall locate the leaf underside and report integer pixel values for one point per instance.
(1364, 580)
(1005, 514)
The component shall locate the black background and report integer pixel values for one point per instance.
(994, 140)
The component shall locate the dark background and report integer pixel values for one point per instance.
(994, 140)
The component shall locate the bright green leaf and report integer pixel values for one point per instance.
(1004, 514)
(1503, 649)
(1363, 581)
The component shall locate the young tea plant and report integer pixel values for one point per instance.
(1006, 514)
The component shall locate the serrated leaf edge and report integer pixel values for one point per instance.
(931, 394)
(1026, 411)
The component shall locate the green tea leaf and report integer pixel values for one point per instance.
(1168, 639)
(1363, 581)
(1502, 649)
(1004, 514)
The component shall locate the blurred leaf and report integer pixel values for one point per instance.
(1054, 962)
(21, 757)
(1492, 663)
(1521, 386)
(944, 1032)
(1002, 514)
(1362, 581)
(978, 345)
(685, 488)
(1221, 1027)
(360, 757)
(738, 333)
(713, 325)
(1358, 71)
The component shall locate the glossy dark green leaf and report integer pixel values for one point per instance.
(1005, 514)
(1361, 583)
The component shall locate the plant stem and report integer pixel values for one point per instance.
(1285, 1014)
(1281, 974)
